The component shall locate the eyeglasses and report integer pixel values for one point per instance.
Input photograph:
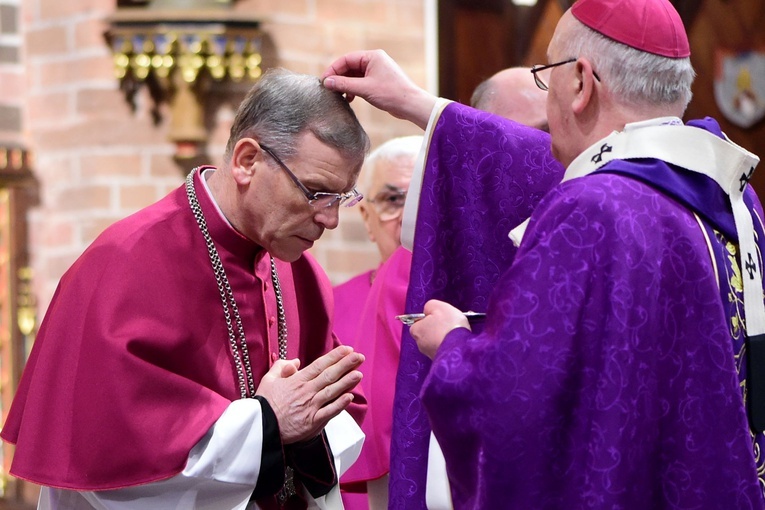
(538, 79)
(389, 203)
(318, 199)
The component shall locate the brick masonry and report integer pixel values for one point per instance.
(98, 160)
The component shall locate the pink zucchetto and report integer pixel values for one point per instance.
(653, 26)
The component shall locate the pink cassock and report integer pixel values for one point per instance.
(132, 363)
(365, 319)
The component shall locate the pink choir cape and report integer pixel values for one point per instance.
(132, 363)
(350, 298)
(371, 328)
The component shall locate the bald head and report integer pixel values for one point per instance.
(512, 93)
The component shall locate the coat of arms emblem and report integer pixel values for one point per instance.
(740, 86)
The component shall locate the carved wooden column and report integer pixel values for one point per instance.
(18, 306)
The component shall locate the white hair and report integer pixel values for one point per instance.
(635, 76)
(404, 146)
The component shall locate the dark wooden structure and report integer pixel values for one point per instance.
(480, 37)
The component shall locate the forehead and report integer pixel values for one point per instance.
(560, 35)
(396, 171)
(319, 162)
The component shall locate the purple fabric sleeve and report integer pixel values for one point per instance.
(484, 175)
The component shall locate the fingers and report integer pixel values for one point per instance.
(440, 319)
(435, 304)
(333, 375)
(351, 64)
(345, 85)
(336, 379)
(417, 329)
(315, 369)
(334, 408)
(344, 74)
(335, 389)
(335, 372)
(280, 365)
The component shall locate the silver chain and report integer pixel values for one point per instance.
(281, 319)
(237, 341)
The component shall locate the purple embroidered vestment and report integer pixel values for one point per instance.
(606, 373)
(483, 176)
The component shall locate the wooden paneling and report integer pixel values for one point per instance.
(474, 42)
(727, 24)
(479, 39)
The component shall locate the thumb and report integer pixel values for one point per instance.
(289, 367)
(283, 368)
(339, 84)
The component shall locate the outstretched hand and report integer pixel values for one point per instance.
(305, 400)
(440, 318)
(377, 78)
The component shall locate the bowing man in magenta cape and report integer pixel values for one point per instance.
(132, 365)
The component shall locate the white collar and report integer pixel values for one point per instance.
(696, 150)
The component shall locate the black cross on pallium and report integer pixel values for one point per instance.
(745, 179)
(597, 158)
(750, 267)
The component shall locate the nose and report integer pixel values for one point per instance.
(328, 217)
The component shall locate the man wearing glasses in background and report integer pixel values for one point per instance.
(365, 311)
(621, 362)
(187, 359)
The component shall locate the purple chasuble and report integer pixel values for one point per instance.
(606, 374)
(132, 364)
(483, 176)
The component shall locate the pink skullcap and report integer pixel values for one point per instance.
(653, 26)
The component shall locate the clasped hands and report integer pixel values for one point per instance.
(304, 400)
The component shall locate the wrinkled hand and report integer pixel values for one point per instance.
(305, 400)
(440, 318)
(376, 77)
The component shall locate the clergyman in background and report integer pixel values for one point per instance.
(512, 94)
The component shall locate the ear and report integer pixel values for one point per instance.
(245, 155)
(365, 216)
(585, 86)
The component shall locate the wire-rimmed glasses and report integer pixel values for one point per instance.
(389, 203)
(538, 79)
(317, 199)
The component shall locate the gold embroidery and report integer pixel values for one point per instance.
(736, 290)
(737, 323)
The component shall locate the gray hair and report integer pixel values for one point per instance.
(282, 105)
(404, 146)
(635, 76)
